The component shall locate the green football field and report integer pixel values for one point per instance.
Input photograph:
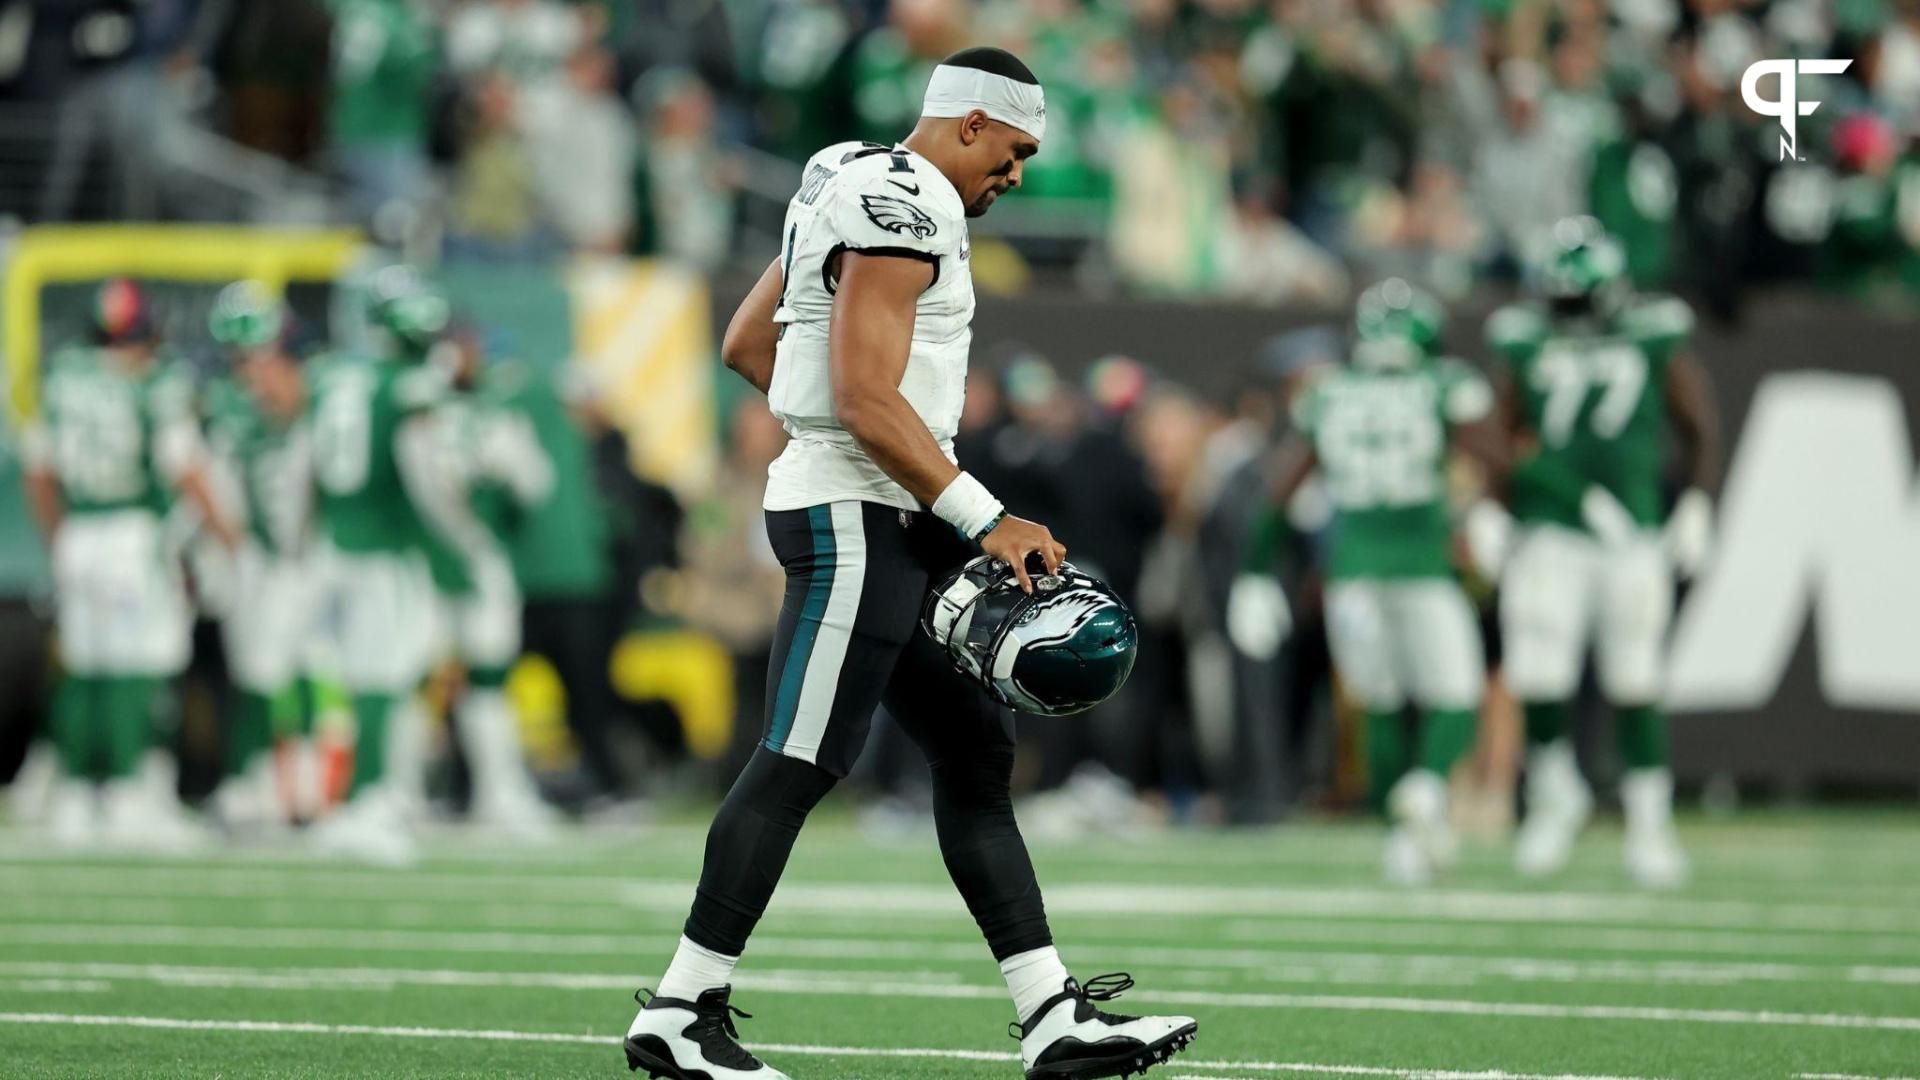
(1796, 954)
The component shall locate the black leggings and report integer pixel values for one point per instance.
(840, 651)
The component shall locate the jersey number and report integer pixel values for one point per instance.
(1569, 377)
(97, 441)
(343, 433)
(1382, 452)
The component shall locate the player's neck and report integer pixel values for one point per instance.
(925, 141)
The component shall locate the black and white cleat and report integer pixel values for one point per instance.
(692, 1040)
(1069, 1038)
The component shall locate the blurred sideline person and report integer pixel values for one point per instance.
(115, 441)
(373, 449)
(1401, 630)
(1596, 374)
(491, 472)
(257, 429)
(858, 332)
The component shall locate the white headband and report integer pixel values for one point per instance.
(957, 91)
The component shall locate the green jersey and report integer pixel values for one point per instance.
(494, 474)
(268, 461)
(114, 439)
(357, 410)
(1596, 402)
(1381, 440)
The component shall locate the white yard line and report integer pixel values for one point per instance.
(862, 985)
(1197, 965)
(1271, 966)
(1104, 899)
(1847, 1076)
(771, 1049)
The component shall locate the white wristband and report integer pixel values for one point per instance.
(968, 506)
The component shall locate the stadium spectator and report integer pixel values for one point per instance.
(581, 143)
(384, 57)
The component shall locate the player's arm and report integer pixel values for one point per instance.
(1696, 417)
(748, 346)
(182, 456)
(869, 338)
(436, 481)
(1689, 530)
(42, 486)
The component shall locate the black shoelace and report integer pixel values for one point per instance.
(1099, 988)
(1106, 988)
(713, 1029)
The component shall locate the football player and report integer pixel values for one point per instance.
(1597, 375)
(1379, 430)
(858, 333)
(493, 472)
(256, 428)
(115, 440)
(372, 429)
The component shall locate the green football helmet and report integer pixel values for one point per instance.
(409, 309)
(1395, 325)
(1583, 270)
(1059, 651)
(246, 315)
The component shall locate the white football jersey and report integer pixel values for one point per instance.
(870, 198)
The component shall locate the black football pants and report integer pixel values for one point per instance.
(848, 639)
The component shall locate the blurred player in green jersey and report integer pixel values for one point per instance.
(115, 440)
(494, 472)
(372, 431)
(1596, 375)
(1379, 429)
(257, 431)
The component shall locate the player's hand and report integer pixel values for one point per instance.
(1015, 538)
(1605, 517)
(1258, 616)
(1689, 532)
(1489, 534)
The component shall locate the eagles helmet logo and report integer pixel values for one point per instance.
(1061, 650)
(897, 215)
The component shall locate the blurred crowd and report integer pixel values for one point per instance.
(1273, 152)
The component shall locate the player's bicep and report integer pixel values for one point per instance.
(1690, 400)
(871, 331)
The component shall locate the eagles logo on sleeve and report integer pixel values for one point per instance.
(897, 215)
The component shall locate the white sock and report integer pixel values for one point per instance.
(694, 971)
(1033, 977)
(1646, 796)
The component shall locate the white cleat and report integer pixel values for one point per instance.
(692, 1040)
(1068, 1038)
(73, 815)
(522, 815)
(137, 814)
(1559, 803)
(1653, 856)
(1654, 859)
(1418, 804)
(1406, 864)
(370, 829)
(29, 797)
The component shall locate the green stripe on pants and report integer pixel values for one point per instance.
(812, 610)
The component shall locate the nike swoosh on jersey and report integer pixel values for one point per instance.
(914, 190)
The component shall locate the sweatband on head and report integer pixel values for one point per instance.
(957, 91)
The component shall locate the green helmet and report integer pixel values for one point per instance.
(1395, 325)
(246, 315)
(1064, 648)
(407, 307)
(1583, 270)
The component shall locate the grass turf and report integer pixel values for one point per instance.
(1795, 951)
